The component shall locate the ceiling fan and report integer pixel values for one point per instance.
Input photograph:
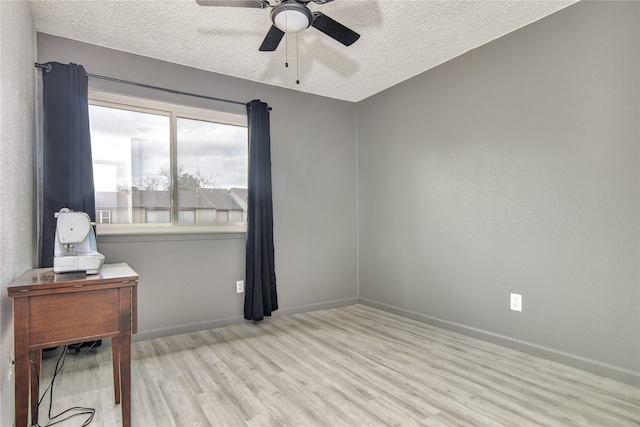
(291, 16)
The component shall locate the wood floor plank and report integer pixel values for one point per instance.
(183, 406)
(349, 366)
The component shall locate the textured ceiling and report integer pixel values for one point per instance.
(399, 38)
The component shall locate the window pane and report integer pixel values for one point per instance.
(158, 215)
(130, 165)
(212, 171)
(187, 216)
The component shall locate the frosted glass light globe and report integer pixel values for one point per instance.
(291, 20)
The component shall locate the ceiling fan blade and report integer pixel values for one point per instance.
(272, 40)
(334, 29)
(258, 4)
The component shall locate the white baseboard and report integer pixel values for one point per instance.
(589, 365)
(218, 323)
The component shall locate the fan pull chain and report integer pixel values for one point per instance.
(286, 42)
(297, 62)
(286, 50)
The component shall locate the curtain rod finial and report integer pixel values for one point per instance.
(45, 67)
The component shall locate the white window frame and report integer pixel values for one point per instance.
(103, 214)
(173, 111)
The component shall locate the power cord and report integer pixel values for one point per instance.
(53, 419)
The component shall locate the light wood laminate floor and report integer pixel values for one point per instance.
(349, 366)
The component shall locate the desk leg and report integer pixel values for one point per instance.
(21, 343)
(115, 354)
(125, 370)
(35, 357)
(124, 358)
(22, 388)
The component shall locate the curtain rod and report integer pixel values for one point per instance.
(47, 67)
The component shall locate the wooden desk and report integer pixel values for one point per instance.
(51, 310)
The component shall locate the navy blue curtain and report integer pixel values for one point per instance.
(261, 297)
(67, 170)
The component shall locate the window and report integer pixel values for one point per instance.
(103, 217)
(167, 164)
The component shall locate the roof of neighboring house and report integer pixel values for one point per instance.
(219, 198)
(202, 198)
(243, 193)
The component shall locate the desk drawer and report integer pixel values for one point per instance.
(60, 317)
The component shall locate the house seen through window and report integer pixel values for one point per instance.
(158, 163)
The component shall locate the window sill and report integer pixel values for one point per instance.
(160, 230)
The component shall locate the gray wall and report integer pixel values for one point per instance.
(518, 166)
(17, 139)
(187, 282)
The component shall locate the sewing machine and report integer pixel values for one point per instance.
(75, 244)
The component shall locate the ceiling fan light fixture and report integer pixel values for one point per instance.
(291, 17)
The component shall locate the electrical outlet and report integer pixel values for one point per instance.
(516, 302)
(240, 286)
